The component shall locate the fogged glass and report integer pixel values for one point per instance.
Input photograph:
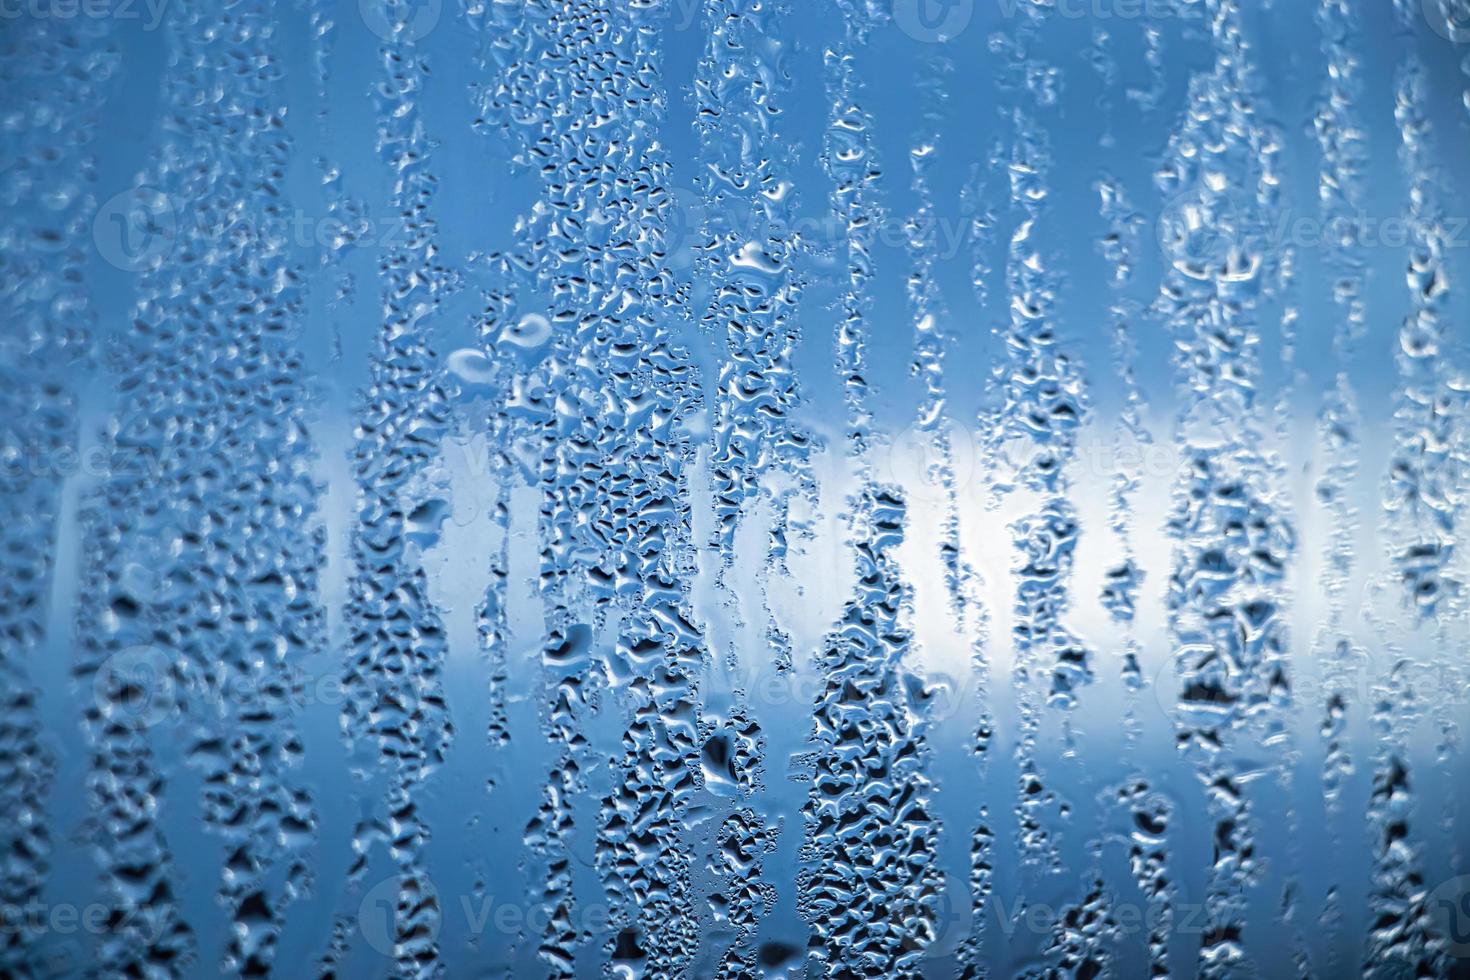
(734, 488)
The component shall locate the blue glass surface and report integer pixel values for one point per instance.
(734, 488)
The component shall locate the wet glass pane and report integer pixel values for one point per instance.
(734, 488)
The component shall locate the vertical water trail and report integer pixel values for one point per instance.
(1341, 140)
(1123, 580)
(1105, 65)
(1148, 813)
(673, 755)
(1281, 740)
(748, 254)
(983, 222)
(1153, 56)
(925, 233)
(850, 161)
(1118, 247)
(981, 225)
(1422, 502)
(743, 899)
(1457, 18)
(1043, 406)
(63, 73)
(1232, 545)
(346, 223)
(395, 716)
(481, 380)
(539, 57)
(1340, 189)
(1422, 497)
(1451, 19)
(610, 394)
(205, 565)
(870, 884)
(492, 624)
